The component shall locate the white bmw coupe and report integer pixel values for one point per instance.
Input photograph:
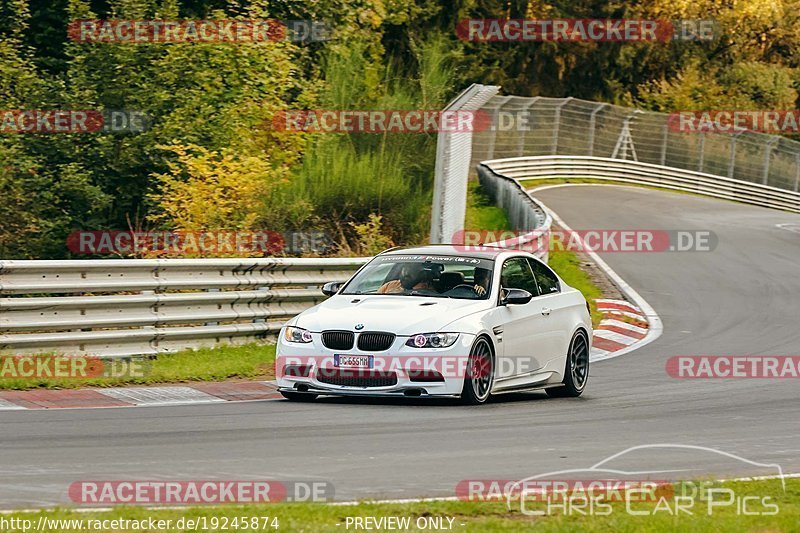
(440, 321)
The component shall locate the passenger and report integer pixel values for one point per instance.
(412, 277)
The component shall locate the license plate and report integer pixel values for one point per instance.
(353, 361)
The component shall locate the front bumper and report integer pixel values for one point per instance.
(404, 362)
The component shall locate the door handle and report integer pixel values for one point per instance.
(546, 311)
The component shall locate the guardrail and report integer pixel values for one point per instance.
(635, 172)
(125, 307)
(523, 212)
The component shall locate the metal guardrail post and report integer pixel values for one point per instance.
(664, 140)
(495, 120)
(732, 161)
(701, 151)
(593, 126)
(767, 155)
(521, 142)
(557, 124)
(797, 172)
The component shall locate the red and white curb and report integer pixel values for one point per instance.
(623, 325)
(202, 393)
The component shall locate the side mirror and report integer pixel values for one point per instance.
(515, 297)
(331, 288)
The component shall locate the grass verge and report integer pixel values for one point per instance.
(766, 497)
(568, 266)
(481, 214)
(250, 361)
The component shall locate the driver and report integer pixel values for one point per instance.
(412, 277)
(482, 277)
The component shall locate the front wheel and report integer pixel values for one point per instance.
(576, 373)
(479, 373)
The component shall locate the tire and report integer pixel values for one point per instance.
(479, 375)
(576, 371)
(298, 396)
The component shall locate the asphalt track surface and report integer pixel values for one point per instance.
(743, 298)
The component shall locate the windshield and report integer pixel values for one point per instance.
(467, 278)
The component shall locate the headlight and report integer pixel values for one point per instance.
(432, 340)
(292, 334)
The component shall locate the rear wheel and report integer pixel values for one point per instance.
(298, 396)
(576, 373)
(479, 373)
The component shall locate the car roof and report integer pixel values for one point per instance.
(481, 252)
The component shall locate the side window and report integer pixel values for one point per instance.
(547, 281)
(516, 274)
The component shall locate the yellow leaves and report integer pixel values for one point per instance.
(733, 17)
(211, 190)
(371, 237)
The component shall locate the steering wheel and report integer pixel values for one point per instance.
(463, 288)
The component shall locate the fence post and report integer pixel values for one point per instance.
(702, 151)
(797, 172)
(493, 126)
(732, 161)
(557, 125)
(592, 125)
(453, 157)
(664, 137)
(526, 109)
(767, 154)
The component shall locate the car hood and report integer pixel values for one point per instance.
(402, 315)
